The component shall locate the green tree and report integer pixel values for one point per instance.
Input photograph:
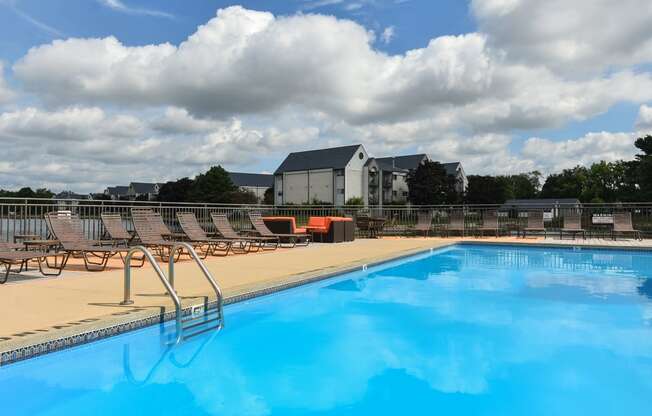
(241, 197)
(485, 190)
(429, 184)
(644, 168)
(175, 191)
(213, 186)
(570, 183)
(268, 198)
(354, 201)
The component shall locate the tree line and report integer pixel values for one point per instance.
(620, 181)
(212, 186)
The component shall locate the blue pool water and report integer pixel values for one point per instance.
(475, 330)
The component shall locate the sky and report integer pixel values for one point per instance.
(96, 93)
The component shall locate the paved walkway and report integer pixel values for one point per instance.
(35, 309)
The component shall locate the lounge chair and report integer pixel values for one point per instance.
(489, 223)
(224, 228)
(291, 239)
(196, 234)
(149, 233)
(67, 229)
(424, 223)
(10, 258)
(572, 225)
(456, 223)
(116, 230)
(535, 224)
(156, 221)
(623, 225)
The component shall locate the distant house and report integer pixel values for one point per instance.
(116, 192)
(550, 206)
(257, 183)
(143, 190)
(387, 177)
(68, 199)
(330, 176)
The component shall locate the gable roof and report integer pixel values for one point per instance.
(260, 180)
(451, 167)
(334, 157)
(143, 187)
(408, 162)
(117, 190)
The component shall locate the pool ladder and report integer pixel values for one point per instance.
(196, 323)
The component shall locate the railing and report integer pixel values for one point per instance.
(25, 216)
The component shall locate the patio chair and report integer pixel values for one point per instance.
(489, 223)
(623, 225)
(68, 230)
(115, 229)
(196, 234)
(424, 223)
(535, 224)
(224, 228)
(572, 225)
(291, 239)
(11, 258)
(456, 223)
(148, 231)
(156, 221)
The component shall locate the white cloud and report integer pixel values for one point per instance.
(388, 34)
(591, 148)
(119, 6)
(249, 86)
(644, 119)
(323, 63)
(569, 36)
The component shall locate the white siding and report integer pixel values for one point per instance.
(353, 175)
(295, 187)
(321, 186)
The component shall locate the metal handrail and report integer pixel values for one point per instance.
(202, 267)
(170, 289)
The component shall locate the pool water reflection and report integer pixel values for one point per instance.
(469, 329)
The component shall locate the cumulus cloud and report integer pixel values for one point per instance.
(249, 85)
(644, 119)
(569, 36)
(388, 34)
(591, 148)
(318, 61)
(89, 148)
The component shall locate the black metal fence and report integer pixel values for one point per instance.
(20, 217)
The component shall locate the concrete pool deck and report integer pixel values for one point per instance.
(39, 310)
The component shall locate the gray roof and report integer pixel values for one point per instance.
(541, 202)
(408, 162)
(451, 167)
(334, 157)
(260, 180)
(385, 166)
(411, 162)
(69, 195)
(117, 190)
(143, 187)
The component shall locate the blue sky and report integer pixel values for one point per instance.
(464, 80)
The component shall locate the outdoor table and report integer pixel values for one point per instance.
(25, 237)
(45, 245)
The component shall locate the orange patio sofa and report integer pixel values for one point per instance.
(331, 229)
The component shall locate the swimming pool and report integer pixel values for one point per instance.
(470, 329)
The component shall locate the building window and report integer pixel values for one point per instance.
(394, 177)
(394, 193)
(340, 191)
(361, 155)
(405, 193)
